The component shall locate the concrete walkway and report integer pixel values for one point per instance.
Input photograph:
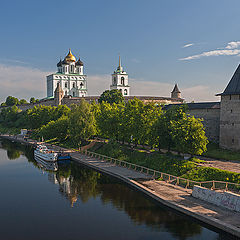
(108, 167)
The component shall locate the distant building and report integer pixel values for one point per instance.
(70, 76)
(176, 92)
(120, 80)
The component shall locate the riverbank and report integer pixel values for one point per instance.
(172, 196)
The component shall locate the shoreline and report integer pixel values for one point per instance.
(177, 198)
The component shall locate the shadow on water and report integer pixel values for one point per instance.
(78, 183)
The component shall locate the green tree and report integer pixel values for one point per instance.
(23, 101)
(41, 115)
(55, 129)
(11, 101)
(111, 96)
(189, 135)
(32, 100)
(9, 116)
(109, 120)
(163, 129)
(82, 123)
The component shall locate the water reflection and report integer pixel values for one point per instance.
(13, 152)
(80, 185)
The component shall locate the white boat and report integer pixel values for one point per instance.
(43, 153)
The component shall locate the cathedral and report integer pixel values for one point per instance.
(70, 75)
(70, 82)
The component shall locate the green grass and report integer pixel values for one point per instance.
(166, 163)
(215, 152)
(209, 174)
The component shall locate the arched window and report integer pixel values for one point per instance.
(73, 85)
(72, 68)
(122, 80)
(65, 84)
(81, 85)
(65, 93)
(73, 94)
(125, 92)
(114, 81)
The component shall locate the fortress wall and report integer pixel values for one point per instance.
(230, 122)
(211, 121)
(227, 200)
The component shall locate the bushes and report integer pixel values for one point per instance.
(209, 174)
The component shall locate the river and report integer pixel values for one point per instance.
(78, 203)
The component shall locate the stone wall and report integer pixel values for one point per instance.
(226, 200)
(230, 122)
(211, 121)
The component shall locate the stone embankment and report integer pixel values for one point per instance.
(175, 197)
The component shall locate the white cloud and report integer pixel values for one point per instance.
(97, 84)
(233, 45)
(199, 93)
(213, 53)
(188, 45)
(22, 82)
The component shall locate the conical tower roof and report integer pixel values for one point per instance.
(176, 89)
(233, 86)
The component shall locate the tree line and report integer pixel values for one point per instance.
(132, 122)
(11, 101)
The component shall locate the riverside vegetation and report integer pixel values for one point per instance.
(132, 122)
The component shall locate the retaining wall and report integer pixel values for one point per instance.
(223, 199)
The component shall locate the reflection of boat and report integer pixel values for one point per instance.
(51, 166)
(43, 153)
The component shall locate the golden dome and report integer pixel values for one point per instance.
(70, 57)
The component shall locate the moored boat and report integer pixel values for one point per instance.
(43, 153)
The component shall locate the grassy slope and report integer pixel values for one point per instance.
(215, 152)
(166, 163)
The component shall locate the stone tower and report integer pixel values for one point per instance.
(58, 95)
(230, 114)
(120, 80)
(176, 92)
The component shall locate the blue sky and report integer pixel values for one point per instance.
(149, 35)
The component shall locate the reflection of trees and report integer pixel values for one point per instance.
(84, 183)
(13, 151)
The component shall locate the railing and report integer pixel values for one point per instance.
(214, 185)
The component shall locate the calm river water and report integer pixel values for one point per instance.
(78, 203)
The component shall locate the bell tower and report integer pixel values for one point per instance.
(120, 80)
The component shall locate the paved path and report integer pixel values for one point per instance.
(108, 167)
(182, 198)
(232, 166)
